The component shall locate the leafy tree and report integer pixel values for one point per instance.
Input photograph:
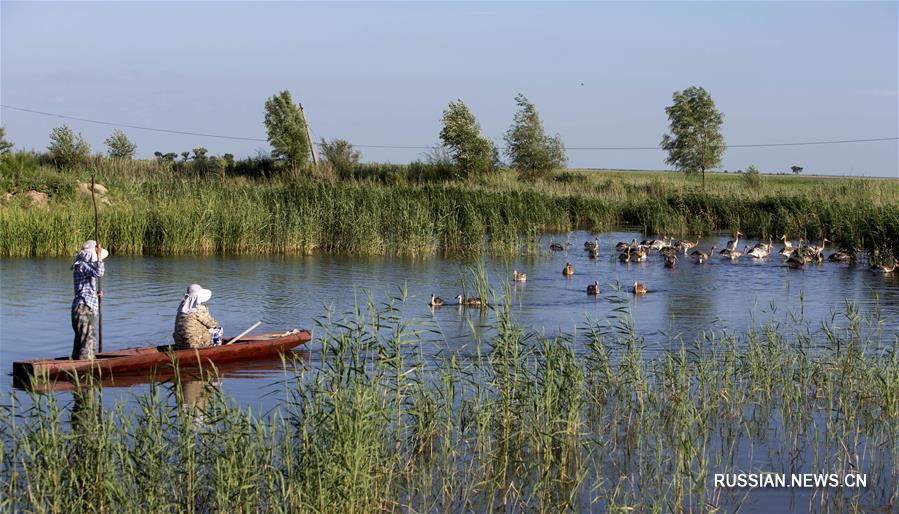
(119, 146)
(68, 149)
(472, 153)
(200, 154)
(796, 169)
(695, 143)
(530, 150)
(286, 129)
(185, 156)
(5, 146)
(340, 154)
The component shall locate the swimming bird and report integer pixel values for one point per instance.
(787, 250)
(592, 245)
(685, 245)
(640, 254)
(622, 246)
(436, 301)
(732, 245)
(639, 288)
(625, 256)
(734, 254)
(556, 247)
(593, 289)
(594, 252)
(883, 268)
(519, 277)
(670, 261)
(842, 255)
(701, 256)
(470, 302)
(759, 252)
(796, 260)
(568, 270)
(816, 251)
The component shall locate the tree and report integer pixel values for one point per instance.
(341, 154)
(472, 153)
(695, 143)
(286, 129)
(119, 146)
(530, 150)
(796, 169)
(5, 146)
(68, 149)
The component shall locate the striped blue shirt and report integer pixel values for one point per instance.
(85, 275)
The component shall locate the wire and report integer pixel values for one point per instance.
(406, 147)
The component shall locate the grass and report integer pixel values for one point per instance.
(393, 209)
(518, 422)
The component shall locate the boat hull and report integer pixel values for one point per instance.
(158, 357)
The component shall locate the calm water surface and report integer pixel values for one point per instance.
(142, 294)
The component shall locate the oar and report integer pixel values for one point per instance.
(245, 332)
(99, 259)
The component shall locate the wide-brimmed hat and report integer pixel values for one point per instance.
(202, 295)
(91, 246)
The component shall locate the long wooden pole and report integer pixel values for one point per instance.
(309, 137)
(245, 332)
(99, 259)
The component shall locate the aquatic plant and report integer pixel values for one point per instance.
(516, 421)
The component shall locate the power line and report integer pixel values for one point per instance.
(407, 147)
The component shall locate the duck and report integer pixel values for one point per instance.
(592, 245)
(556, 247)
(732, 245)
(593, 289)
(841, 255)
(670, 261)
(519, 277)
(797, 260)
(883, 268)
(625, 256)
(701, 256)
(640, 254)
(594, 252)
(471, 302)
(639, 288)
(623, 247)
(568, 270)
(436, 301)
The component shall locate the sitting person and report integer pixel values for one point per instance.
(194, 326)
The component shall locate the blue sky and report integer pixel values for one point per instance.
(381, 73)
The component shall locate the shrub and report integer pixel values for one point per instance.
(341, 155)
(752, 178)
(68, 149)
(5, 146)
(119, 146)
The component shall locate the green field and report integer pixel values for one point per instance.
(405, 210)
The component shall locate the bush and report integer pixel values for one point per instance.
(341, 155)
(752, 178)
(5, 146)
(68, 149)
(119, 146)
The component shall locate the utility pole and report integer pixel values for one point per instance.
(309, 137)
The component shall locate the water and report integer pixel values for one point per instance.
(142, 293)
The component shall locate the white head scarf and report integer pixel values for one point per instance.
(193, 297)
(88, 253)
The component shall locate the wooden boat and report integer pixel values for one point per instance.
(160, 357)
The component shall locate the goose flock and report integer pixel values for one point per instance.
(798, 256)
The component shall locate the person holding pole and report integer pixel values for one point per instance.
(86, 270)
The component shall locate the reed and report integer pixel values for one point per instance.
(515, 422)
(156, 210)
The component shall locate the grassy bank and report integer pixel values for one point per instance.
(516, 423)
(381, 209)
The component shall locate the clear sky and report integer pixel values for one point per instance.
(600, 74)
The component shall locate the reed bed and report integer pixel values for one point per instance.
(514, 422)
(155, 210)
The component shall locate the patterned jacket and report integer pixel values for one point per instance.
(192, 329)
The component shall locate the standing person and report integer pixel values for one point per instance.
(194, 326)
(88, 266)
